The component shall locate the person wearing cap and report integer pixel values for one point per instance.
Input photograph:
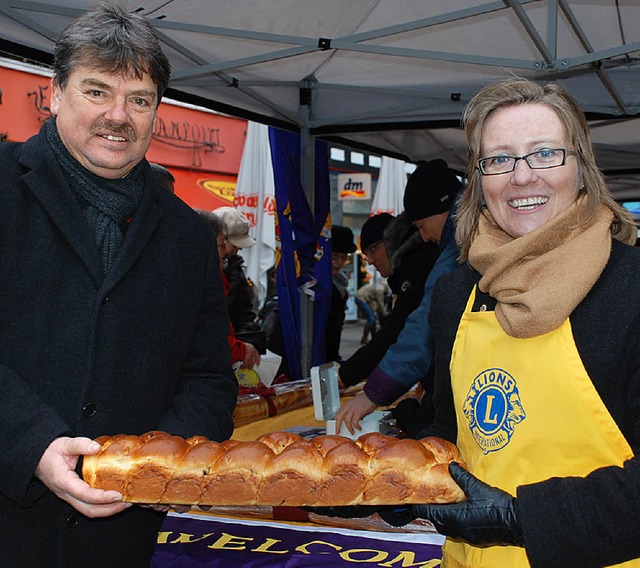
(429, 201)
(371, 293)
(342, 245)
(242, 353)
(395, 248)
(237, 228)
(240, 300)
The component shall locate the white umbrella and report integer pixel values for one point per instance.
(390, 189)
(254, 196)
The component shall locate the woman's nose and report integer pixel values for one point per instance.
(522, 173)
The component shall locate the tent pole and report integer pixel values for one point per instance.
(307, 180)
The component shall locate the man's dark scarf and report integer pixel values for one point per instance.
(107, 203)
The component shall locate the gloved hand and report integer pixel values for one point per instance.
(397, 516)
(487, 517)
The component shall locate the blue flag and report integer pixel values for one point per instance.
(303, 253)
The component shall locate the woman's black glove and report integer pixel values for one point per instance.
(487, 517)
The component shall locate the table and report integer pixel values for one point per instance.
(299, 417)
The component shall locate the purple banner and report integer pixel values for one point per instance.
(187, 542)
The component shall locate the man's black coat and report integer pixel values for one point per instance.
(82, 354)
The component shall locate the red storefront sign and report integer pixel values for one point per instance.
(203, 149)
(204, 190)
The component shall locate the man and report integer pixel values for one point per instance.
(399, 254)
(342, 245)
(428, 200)
(112, 313)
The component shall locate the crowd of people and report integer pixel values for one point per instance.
(123, 310)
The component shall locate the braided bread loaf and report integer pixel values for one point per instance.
(277, 469)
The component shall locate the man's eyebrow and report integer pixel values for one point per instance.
(144, 93)
(92, 82)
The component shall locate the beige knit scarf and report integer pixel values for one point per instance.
(538, 279)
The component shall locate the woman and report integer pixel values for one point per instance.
(537, 345)
(242, 353)
(240, 300)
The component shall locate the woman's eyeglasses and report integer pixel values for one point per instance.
(538, 160)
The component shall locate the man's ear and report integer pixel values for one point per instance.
(56, 95)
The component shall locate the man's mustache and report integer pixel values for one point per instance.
(116, 129)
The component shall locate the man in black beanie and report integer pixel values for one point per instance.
(400, 255)
(429, 196)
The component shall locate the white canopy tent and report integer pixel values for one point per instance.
(388, 75)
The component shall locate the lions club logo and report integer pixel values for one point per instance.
(493, 408)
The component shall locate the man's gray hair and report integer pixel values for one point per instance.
(109, 38)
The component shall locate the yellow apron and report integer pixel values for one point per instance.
(526, 411)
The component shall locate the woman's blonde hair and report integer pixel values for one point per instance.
(519, 91)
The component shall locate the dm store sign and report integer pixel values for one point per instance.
(354, 186)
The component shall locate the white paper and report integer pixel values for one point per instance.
(268, 367)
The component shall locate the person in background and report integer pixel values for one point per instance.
(370, 297)
(242, 352)
(429, 200)
(537, 345)
(163, 176)
(107, 326)
(270, 325)
(395, 248)
(371, 300)
(342, 245)
(241, 298)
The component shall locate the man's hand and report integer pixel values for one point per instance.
(252, 357)
(487, 517)
(56, 470)
(353, 411)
